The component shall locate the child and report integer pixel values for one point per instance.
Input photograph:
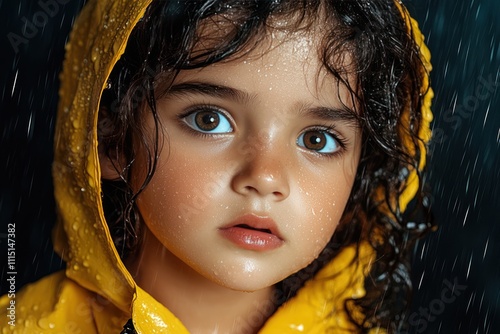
(236, 167)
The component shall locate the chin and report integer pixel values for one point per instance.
(245, 283)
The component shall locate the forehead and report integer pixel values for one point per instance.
(275, 79)
(307, 23)
(283, 40)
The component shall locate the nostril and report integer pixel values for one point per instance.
(250, 189)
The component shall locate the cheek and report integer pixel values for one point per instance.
(323, 197)
(181, 191)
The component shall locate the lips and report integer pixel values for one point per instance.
(253, 232)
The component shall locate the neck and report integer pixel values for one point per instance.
(202, 305)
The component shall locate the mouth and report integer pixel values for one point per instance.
(253, 232)
(245, 226)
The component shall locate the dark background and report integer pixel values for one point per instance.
(464, 170)
(456, 269)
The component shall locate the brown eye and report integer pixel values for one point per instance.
(208, 121)
(314, 140)
(318, 140)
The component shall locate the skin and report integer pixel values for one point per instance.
(257, 166)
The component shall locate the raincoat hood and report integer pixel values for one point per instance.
(95, 275)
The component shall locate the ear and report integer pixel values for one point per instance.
(109, 161)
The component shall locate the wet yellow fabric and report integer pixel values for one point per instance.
(424, 132)
(96, 294)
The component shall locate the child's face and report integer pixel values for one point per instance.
(260, 142)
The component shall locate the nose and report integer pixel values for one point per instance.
(262, 174)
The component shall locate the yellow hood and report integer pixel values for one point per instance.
(95, 275)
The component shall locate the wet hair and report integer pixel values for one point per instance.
(387, 93)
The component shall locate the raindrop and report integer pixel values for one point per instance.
(421, 279)
(470, 262)
(466, 214)
(14, 84)
(45, 323)
(486, 247)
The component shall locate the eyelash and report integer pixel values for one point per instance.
(326, 128)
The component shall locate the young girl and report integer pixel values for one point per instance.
(236, 167)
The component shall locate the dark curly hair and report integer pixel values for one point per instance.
(390, 76)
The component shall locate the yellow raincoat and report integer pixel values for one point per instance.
(96, 293)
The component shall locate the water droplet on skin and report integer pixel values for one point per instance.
(86, 264)
(98, 277)
(75, 226)
(76, 267)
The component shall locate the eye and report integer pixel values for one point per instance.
(208, 121)
(320, 141)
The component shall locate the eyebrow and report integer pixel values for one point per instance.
(211, 90)
(343, 114)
